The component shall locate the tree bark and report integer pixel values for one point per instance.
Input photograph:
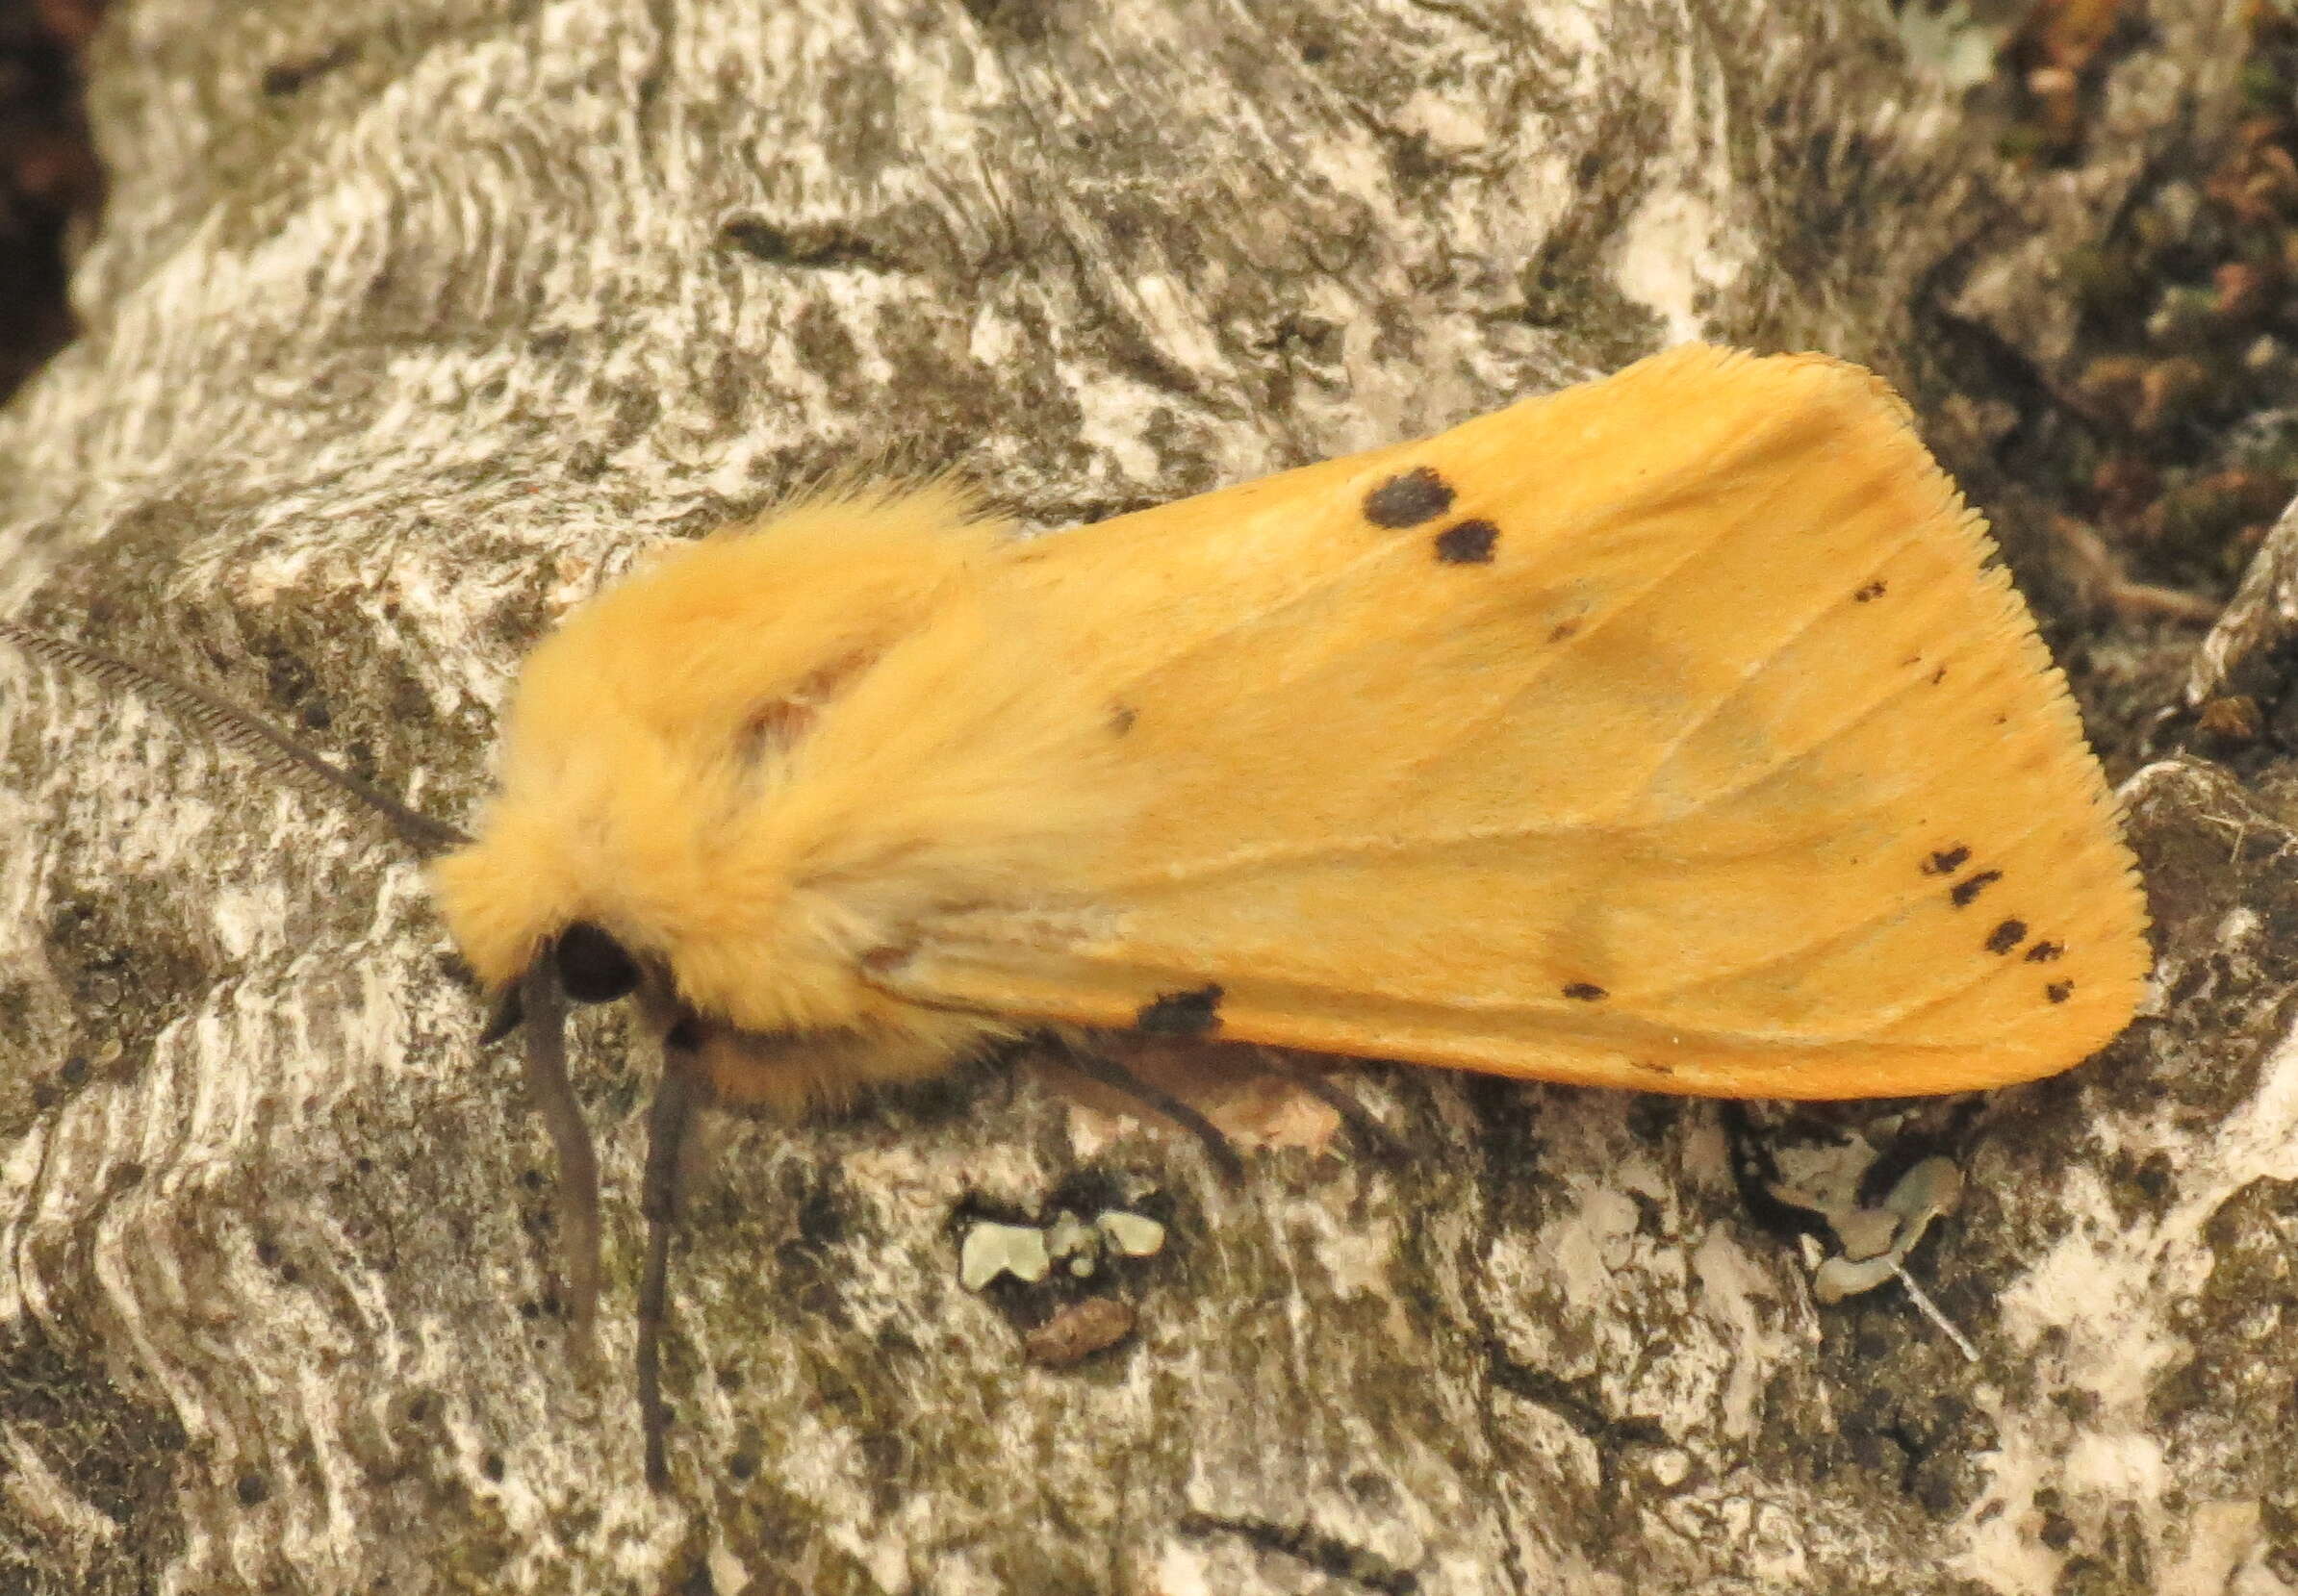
(410, 324)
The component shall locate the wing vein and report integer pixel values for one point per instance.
(1786, 762)
(1548, 664)
(1715, 707)
(1299, 597)
(1179, 875)
(1803, 950)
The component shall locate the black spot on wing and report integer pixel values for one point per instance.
(2006, 936)
(1585, 992)
(1121, 718)
(1409, 498)
(2058, 992)
(1971, 886)
(1946, 862)
(1191, 1013)
(1469, 544)
(1872, 591)
(2043, 952)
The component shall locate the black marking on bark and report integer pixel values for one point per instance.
(1946, 862)
(1195, 1012)
(287, 77)
(1578, 1403)
(1469, 544)
(2006, 936)
(1407, 499)
(813, 245)
(1329, 1554)
(1971, 886)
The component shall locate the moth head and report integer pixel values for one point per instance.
(764, 758)
(586, 965)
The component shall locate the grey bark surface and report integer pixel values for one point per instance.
(409, 324)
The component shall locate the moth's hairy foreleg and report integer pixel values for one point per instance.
(542, 1006)
(1108, 1071)
(669, 1133)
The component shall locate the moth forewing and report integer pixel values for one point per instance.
(1618, 737)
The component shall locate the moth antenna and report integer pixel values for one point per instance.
(236, 728)
(544, 1006)
(670, 1127)
(1372, 1135)
(1106, 1070)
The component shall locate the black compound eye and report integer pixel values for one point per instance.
(592, 964)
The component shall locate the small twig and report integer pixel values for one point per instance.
(1931, 1310)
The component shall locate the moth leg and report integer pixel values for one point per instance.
(669, 1133)
(1108, 1071)
(1370, 1134)
(2106, 580)
(542, 1007)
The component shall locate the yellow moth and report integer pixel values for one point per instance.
(1674, 731)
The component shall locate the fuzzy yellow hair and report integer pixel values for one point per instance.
(765, 758)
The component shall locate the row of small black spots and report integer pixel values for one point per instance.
(1971, 886)
(1946, 862)
(1197, 1011)
(1414, 497)
(2006, 936)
